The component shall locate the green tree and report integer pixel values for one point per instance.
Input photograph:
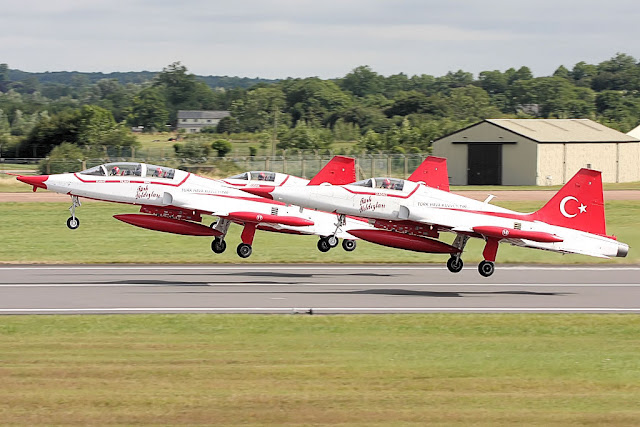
(149, 110)
(362, 81)
(371, 142)
(314, 101)
(260, 109)
(194, 150)
(305, 137)
(5, 127)
(4, 78)
(183, 91)
(94, 124)
(66, 157)
(222, 146)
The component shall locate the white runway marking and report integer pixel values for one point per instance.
(376, 267)
(317, 310)
(285, 285)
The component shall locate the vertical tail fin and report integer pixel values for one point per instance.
(339, 171)
(433, 172)
(578, 205)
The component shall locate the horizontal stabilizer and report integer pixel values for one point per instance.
(512, 233)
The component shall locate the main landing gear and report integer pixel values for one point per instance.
(327, 242)
(485, 268)
(455, 264)
(219, 245)
(74, 222)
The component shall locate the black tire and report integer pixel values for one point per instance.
(486, 268)
(218, 245)
(73, 223)
(323, 245)
(244, 250)
(455, 264)
(348, 245)
(333, 241)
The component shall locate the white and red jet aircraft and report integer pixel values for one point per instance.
(174, 201)
(411, 216)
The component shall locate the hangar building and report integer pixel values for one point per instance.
(537, 152)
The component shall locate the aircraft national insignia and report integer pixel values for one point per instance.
(581, 209)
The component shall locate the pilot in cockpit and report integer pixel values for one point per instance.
(115, 170)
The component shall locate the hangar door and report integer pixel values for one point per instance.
(484, 164)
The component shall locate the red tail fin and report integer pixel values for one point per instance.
(433, 172)
(578, 205)
(339, 171)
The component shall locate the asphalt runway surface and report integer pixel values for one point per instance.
(315, 289)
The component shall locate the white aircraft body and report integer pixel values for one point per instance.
(175, 201)
(411, 215)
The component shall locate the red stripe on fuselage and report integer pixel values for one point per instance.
(369, 193)
(129, 181)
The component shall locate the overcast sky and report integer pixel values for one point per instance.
(325, 38)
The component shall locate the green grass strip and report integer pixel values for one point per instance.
(445, 369)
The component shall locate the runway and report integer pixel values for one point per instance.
(315, 289)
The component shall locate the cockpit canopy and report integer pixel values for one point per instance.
(381, 182)
(131, 169)
(256, 176)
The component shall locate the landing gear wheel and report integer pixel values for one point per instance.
(73, 223)
(333, 241)
(455, 264)
(486, 268)
(348, 245)
(323, 245)
(244, 250)
(218, 245)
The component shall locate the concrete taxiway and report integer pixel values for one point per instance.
(321, 289)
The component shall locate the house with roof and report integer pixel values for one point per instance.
(192, 121)
(537, 152)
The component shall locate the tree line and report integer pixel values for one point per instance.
(396, 113)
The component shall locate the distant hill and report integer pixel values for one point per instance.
(137, 77)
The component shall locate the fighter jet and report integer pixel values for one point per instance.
(411, 215)
(175, 201)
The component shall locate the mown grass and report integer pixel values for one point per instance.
(443, 369)
(37, 233)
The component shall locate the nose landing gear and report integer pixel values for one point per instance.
(74, 222)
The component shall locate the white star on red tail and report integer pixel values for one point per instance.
(582, 208)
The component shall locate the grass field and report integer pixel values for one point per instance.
(37, 233)
(437, 369)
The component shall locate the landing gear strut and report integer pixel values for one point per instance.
(74, 222)
(219, 245)
(455, 262)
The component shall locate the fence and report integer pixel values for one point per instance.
(394, 165)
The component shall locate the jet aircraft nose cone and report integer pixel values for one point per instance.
(264, 191)
(36, 180)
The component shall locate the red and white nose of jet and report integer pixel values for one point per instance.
(37, 181)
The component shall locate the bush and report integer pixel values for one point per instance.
(66, 157)
(222, 146)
